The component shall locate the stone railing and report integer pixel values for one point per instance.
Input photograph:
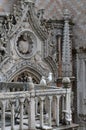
(38, 107)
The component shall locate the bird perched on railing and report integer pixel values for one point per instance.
(46, 81)
(50, 78)
(43, 81)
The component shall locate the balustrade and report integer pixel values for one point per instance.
(41, 103)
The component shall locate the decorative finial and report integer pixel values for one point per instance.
(66, 81)
(67, 14)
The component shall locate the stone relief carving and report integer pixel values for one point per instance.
(52, 43)
(3, 51)
(26, 44)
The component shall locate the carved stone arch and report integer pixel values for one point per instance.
(23, 66)
(25, 72)
(54, 68)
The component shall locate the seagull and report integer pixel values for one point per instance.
(43, 81)
(49, 79)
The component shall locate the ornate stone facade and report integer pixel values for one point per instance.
(49, 45)
(24, 44)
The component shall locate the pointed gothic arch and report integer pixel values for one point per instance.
(29, 68)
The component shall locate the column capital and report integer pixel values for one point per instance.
(58, 96)
(42, 98)
(12, 101)
(50, 97)
(21, 100)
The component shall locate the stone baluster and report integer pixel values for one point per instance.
(13, 89)
(54, 108)
(63, 102)
(31, 114)
(49, 112)
(36, 105)
(57, 110)
(3, 114)
(41, 111)
(21, 113)
(67, 100)
(31, 106)
(12, 113)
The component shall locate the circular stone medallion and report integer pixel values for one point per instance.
(26, 44)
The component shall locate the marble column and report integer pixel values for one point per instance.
(54, 108)
(49, 111)
(57, 110)
(3, 115)
(31, 112)
(31, 106)
(12, 114)
(41, 111)
(68, 101)
(63, 102)
(21, 113)
(36, 105)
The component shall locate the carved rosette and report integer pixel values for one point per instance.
(26, 44)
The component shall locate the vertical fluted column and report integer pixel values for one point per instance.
(41, 111)
(21, 113)
(3, 114)
(49, 112)
(57, 110)
(12, 114)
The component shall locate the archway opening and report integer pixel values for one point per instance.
(23, 77)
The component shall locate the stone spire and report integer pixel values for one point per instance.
(66, 49)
